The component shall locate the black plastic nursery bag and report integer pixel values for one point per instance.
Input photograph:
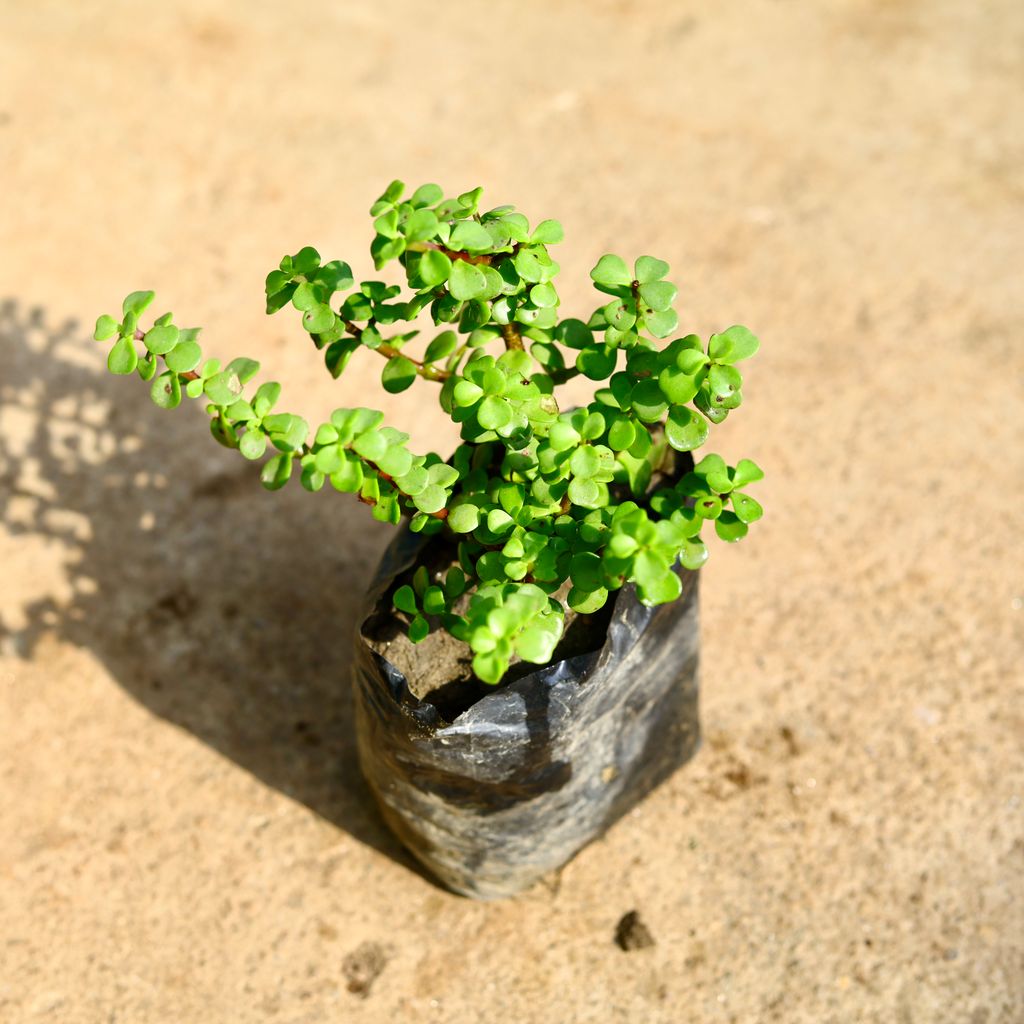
(533, 771)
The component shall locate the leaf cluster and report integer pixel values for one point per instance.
(550, 508)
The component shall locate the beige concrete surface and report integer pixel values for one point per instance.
(184, 836)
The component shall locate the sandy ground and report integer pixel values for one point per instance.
(184, 834)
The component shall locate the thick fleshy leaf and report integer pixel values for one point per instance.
(466, 281)
(746, 508)
(123, 358)
(730, 527)
(434, 268)
(649, 269)
(733, 344)
(685, 429)
(106, 327)
(165, 391)
(398, 374)
(611, 272)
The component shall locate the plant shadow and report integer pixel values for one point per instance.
(222, 608)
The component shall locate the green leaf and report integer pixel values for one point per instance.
(441, 347)
(276, 472)
(405, 600)
(574, 334)
(659, 295)
(621, 434)
(549, 232)
(648, 401)
(584, 492)
(418, 629)
(318, 319)
(678, 387)
(536, 644)
(306, 296)
(597, 363)
(434, 268)
(431, 499)
(733, 344)
(306, 260)
(398, 373)
(746, 472)
(372, 445)
(661, 325)
(223, 388)
(649, 568)
(611, 272)
(106, 327)
(194, 388)
(464, 518)
(433, 601)
(620, 314)
(421, 225)
(494, 413)
(136, 303)
(586, 602)
(466, 393)
(663, 590)
(544, 295)
(166, 391)
(266, 397)
(747, 510)
(396, 461)
(335, 276)
(123, 358)
(184, 356)
(466, 281)
(349, 478)
(685, 429)
(469, 236)
(649, 269)
(730, 527)
(585, 462)
(426, 195)
(147, 369)
(490, 667)
(161, 339)
(252, 444)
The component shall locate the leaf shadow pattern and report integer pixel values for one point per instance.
(222, 608)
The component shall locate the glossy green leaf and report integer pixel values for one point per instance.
(685, 429)
(185, 356)
(106, 327)
(730, 527)
(434, 268)
(746, 508)
(123, 358)
(733, 344)
(318, 318)
(611, 272)
(165, 391)
(398, 374)
(649, 269)
(136, 303)
(464, 518)
(405, 600)
(493, 413)
(161, 339)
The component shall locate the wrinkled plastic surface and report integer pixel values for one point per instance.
(531, 773)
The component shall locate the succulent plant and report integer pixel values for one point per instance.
(549, 508)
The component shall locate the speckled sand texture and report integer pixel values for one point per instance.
(184, 837)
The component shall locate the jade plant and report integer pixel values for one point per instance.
(548, 508)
